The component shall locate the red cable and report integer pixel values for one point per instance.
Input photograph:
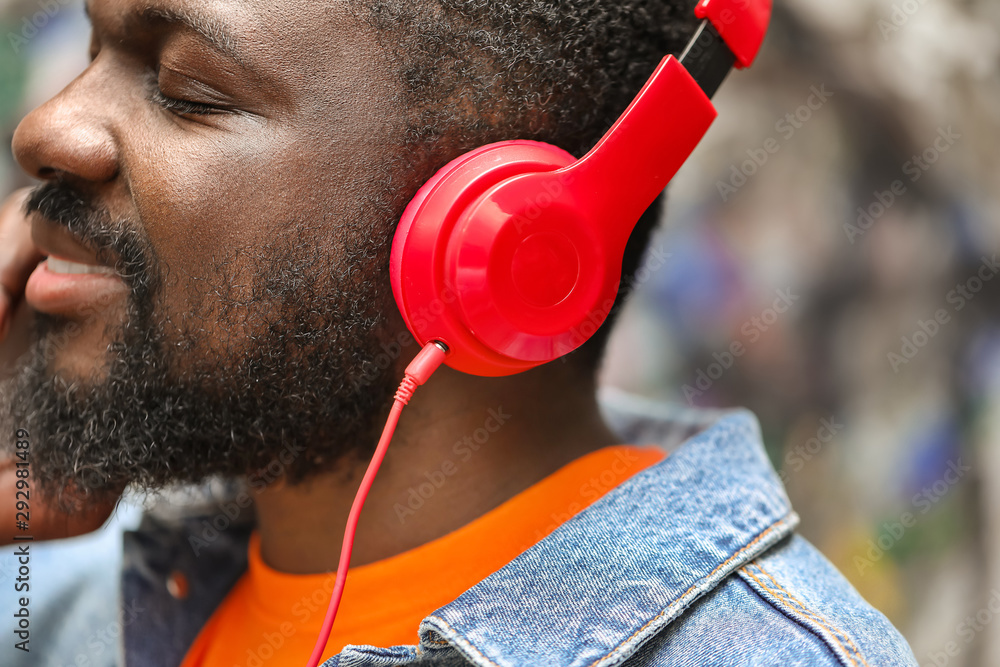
(427, 361)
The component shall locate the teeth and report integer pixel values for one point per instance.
(57, 265)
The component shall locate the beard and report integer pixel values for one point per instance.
(280, 366)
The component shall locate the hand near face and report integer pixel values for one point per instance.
(18, 258)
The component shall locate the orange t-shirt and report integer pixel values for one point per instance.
(273, 618)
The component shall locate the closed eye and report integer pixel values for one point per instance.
(184, 106)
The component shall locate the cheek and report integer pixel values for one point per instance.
(207, 200)
(214, 200)
(197, 194)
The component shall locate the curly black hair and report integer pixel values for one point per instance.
(560, 71)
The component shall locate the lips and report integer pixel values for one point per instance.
(70, 281)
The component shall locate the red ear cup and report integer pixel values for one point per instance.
(511, 254)
(494, 279)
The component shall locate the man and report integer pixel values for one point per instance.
(220, 189)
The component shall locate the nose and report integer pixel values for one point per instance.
(70, 135)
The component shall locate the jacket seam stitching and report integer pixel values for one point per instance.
(833, 628)
(780, 597)
(439, 642)
(736, 555)
(472, 646)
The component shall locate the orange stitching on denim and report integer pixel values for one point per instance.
(471, 645)
(823, 625)
(832, 628)
(435, 641)
(693, 586)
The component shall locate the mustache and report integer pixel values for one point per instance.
(117, 243)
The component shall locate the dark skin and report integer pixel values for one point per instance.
(299, 111)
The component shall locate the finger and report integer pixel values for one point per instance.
(52, 524)
(18, 254)
(47, 521)
(18, 339)
(6, 312)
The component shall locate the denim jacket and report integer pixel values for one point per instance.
(693, 561)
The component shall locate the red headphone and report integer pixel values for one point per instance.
(510, 256)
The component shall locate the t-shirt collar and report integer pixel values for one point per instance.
(625, 568)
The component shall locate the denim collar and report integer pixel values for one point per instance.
(622, 570)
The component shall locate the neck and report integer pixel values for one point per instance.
(463, 446)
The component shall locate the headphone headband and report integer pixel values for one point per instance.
(741, 24)
(707, 58)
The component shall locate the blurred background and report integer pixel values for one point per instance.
(828, 260)
(852, 181)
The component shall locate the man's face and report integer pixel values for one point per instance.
(231, 159)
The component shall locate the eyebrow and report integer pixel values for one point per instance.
(215, 33)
